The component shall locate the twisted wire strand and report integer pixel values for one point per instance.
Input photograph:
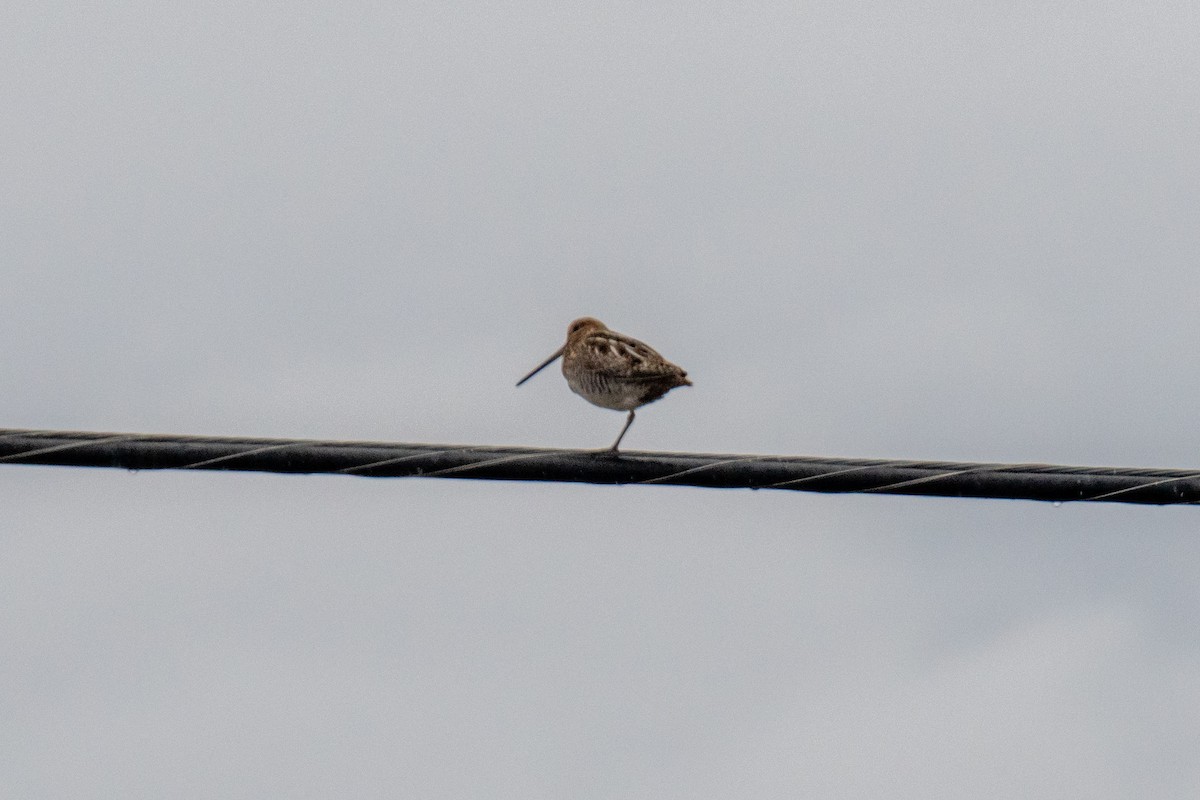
(1046, 482)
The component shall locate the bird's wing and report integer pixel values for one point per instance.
(615, 355)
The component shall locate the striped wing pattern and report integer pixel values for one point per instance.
(615, 355)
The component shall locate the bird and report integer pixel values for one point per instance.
(612, 370)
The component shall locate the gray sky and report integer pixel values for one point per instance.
(915, 230)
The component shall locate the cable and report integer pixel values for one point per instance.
(392, 460)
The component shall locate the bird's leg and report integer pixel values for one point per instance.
(628, 422)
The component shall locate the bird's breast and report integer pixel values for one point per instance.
(607, 392)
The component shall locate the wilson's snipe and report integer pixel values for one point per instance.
(612, 370)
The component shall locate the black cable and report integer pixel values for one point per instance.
(388, 460)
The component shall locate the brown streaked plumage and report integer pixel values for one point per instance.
(612, 370)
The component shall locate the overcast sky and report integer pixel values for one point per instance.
(928, 230)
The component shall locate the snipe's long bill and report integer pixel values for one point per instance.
(612, 370)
